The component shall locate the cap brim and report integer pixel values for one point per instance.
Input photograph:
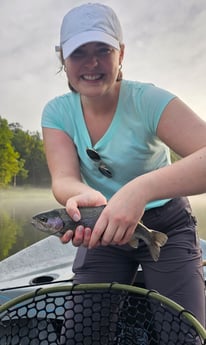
(86, 37)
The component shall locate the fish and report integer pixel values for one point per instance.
(57, 222)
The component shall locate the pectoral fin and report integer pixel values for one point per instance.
(134, 242)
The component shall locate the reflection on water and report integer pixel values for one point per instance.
(17, 206)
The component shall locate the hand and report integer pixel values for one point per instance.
(82, 235)
(119, 219)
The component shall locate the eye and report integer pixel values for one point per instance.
(105, 51)
(43, 219)
(77, 53)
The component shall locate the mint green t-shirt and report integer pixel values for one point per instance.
(130, 146)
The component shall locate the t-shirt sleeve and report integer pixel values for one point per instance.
(51, 117)
(152, 104)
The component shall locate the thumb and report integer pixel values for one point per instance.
(72, 208)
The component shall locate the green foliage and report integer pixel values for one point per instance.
(22, 157)
(9, 229)
(9, 165)
(31, 150)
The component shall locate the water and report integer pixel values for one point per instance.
(17, 206)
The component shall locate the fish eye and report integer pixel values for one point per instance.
(43, 219)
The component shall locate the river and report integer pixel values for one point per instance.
(18, 205)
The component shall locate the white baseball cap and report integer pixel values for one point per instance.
(92, 22)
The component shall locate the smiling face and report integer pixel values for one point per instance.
(92, 69)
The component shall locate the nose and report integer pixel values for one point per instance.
(91, 61)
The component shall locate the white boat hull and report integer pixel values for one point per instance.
(42, 264)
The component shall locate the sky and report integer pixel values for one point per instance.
(165, 44)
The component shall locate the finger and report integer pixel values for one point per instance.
(67, 236)
(127, 236)
(87, 236)
(97, 232)
(72, 209)
(115, 236)
(119, 235)
(109, 236)
(78, 236)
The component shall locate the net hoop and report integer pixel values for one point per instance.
(17, 303)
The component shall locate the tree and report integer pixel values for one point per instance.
(22, 157)
(36, 162)
(9, 165)
(30, 148)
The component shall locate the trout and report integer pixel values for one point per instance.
(57, 222)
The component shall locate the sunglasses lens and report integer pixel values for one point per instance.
(93, 155)
(105, 171)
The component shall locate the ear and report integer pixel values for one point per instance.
(121, 53)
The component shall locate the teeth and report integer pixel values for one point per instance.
(92, 77)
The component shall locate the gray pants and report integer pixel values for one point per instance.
(178, 274)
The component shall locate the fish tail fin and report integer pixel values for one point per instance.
(158, 240)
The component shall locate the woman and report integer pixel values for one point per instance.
(107, 142)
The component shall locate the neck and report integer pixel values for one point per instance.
(101, 105)
(98, 113)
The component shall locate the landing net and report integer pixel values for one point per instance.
(97, 314)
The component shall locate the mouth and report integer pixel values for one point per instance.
(93, 77)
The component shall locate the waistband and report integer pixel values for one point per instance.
(163, 217)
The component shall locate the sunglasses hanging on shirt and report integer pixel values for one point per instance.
(94, 155)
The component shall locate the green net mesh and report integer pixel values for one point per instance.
(100, 314)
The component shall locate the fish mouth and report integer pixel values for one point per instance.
(50, 228)
(34, 222)
(37, 224)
